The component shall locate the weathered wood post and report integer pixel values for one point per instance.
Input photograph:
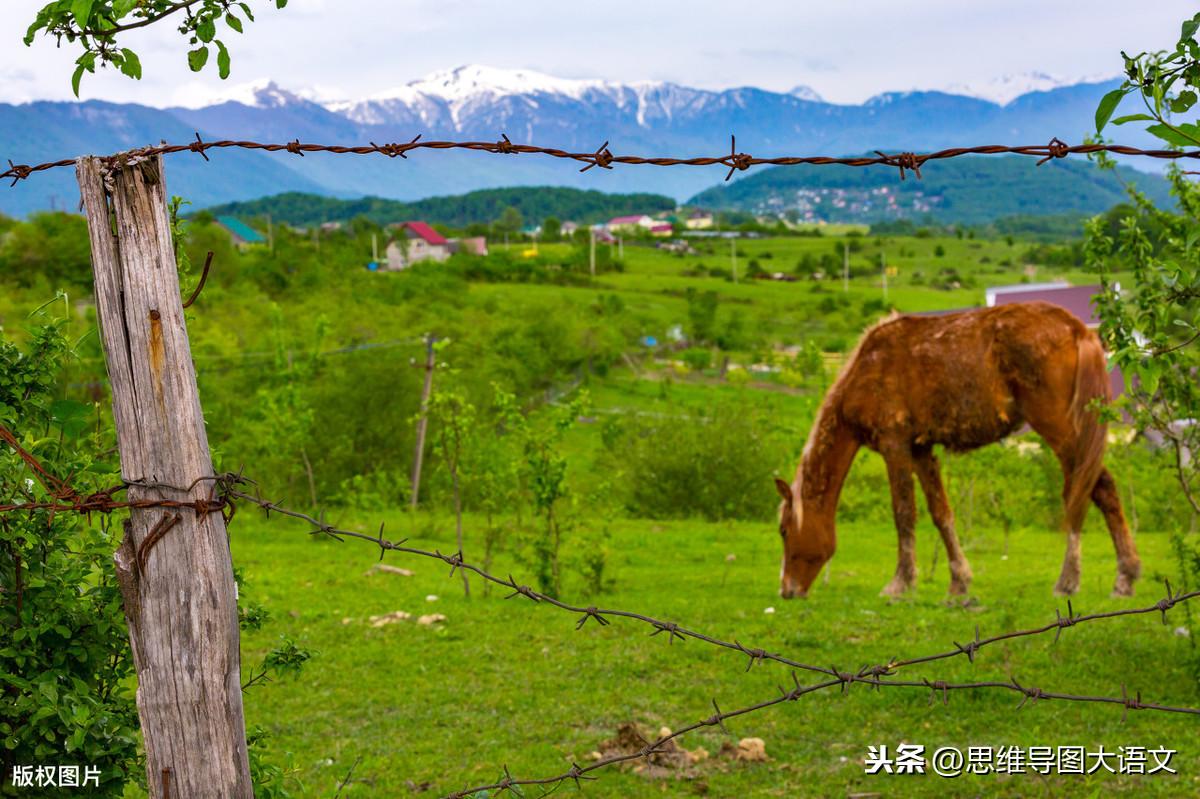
(180, 596)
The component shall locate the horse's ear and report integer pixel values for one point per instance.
(784, 490)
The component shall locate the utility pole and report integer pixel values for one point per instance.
(423, 419)
(621, 247)
(733, 258)
(845, 266)
(173, 566)
(592, 251)
(375, 247)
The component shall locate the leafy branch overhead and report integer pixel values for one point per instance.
(95, 25)
(1166, 81)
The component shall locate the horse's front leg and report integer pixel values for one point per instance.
(904, 511)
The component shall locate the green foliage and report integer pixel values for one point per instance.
(1151, 323)
(718, 465)
(1167, 82)
(457, 211)
(95, 25)
(544, 475)
(972, 190)
(65, 665)
(46, 252)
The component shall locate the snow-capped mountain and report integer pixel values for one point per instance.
(1006, 88)
(482, 103)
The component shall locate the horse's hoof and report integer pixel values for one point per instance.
(1123, 586)
(1065, 591)
(896, 589)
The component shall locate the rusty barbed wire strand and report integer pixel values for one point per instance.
(225, 491)
(577, 773)
(604, 158)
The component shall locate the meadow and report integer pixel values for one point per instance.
(306, 369)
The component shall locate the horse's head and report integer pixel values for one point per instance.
(805, 550)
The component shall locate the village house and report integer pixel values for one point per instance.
(417, 241)
(241, 234)
(630, 223)
(699, 220)
(661, 229)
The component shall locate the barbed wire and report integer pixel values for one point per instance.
(227, 490)
(577, 773)
(604, 158)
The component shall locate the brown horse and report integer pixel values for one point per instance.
(962, 380)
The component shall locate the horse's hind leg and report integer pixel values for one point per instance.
(930, 475)
(904, 510)
(1129, 565)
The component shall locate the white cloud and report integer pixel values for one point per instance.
(845, 51)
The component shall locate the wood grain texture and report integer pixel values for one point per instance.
(182, 608)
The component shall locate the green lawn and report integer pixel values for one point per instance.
(514, 683)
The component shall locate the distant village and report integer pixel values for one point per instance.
(413, 241)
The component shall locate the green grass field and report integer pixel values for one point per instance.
(510, 682)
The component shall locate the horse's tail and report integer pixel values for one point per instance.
(1087, 454)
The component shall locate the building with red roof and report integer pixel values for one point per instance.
(413, 242)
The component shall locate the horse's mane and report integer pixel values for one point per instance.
(827, 413)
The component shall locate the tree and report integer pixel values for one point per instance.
(510, 221)
(94, 25)
(551, 229)
(1152, 324)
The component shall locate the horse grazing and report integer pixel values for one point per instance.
(962, 380)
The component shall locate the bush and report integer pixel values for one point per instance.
(65, 659)
(716, 466)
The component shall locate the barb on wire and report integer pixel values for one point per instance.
(604, 158)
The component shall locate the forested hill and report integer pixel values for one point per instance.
(970, 190)
(535, 203)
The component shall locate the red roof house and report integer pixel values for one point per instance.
(415, 241)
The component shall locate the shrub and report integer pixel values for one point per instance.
(718, 465)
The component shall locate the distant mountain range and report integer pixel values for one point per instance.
(480, 103)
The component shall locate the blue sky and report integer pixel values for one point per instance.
(846, 51)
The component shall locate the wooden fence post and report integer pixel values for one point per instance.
(180, 596)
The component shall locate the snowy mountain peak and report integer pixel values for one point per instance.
(1006, 88)
(806, 93)
(263, 93)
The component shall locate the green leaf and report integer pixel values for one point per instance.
(1132, 118)
(1108, 104)
(81, 10)
(246, 11)
(280, 3)
(198, 58)
(1189, 28)
(1183, 101)
(222, 60)
(75, 78)
(233, 22)
(206, 30)
(131, 65)
(1175, 135)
